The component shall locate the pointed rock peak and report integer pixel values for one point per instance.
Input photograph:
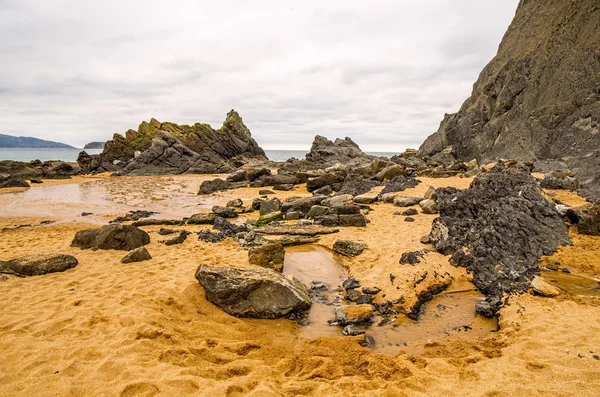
(234, 122)
(155, 123)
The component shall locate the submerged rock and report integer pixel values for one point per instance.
(498, 228)
(111, 237)
(257, 293)
(38, 265)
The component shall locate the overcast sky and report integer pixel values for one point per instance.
(382, 72)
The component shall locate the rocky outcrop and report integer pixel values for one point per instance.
(539, 98)
(166, 148)
(38, 265)
(111, 237)
(498, 228)
(257, 293)
(344, 151)
(10, 169)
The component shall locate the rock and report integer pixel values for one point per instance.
(343, 151)
(401, 201)
(390, 172)
(425, 240)
(371, 290)
(273, 180)
(137, 255)
(178, 239)
(269, 206)
(388, 197)
(324, 191)
(224, 212)
(498, 229)
(337, 200)
(228, 228)
(257, 293)
(210, 237)
(351, 283)
(355, 314)
(298, 230)
(352, 295)
(328, 179)
(87, 213)
(541, 287)
(567, 183)
(356, 185)
(165, 232)
(587, 219)
(430, 193)
(286, 187)
(366, 198)
(133, 216)
(202, 219)
(301, 204)
(292, 215)
(343, 220)
(38, 265)
(410, 212)
(349, 247)
(364, 299)
(156, 222)
(520, 108)
(219, 185)
(270, 217)
(428, 206)
(291, 240)
(13, 182)
(352, 330)
(111, 237)
(489, 307)
(411, 258)
(316, 211)
(264, 192)
(409, 219)
(236, 203)
(270, 256)
(399, 183)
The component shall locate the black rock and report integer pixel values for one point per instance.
(351, 283)
(364, 298)
(224, 212)
(409, 219)
(111, 237)
(411, 258)
(410, 212)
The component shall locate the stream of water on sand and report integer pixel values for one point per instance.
(450, 312)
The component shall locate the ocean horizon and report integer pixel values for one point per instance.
(70, 155)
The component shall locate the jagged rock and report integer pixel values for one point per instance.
(428, 206)
(411, 258)
(352, 330)
(543, 288)
(489, 307)
(498, 228)
(351, 283)
(226, 227)
(111, 237)
(354, 314)
(258, 293)
(224, 212)
(349, 247)
(168, 148)
(390, 172)
(299, 230)
(202, 219)
(316, 211)
(137, 255)
(587, 219)
(328, 179)
(567, 183)
(352, 220)
(13, 182)
(269, 206)
(344, 151)
(325, 191)
(366, 198)
(211, 237)
(35, 169)
(399, 183)
(270, 256)
(429, 193)
(337, 200)
(352, 295)
(355, 185)
(236, 203)
(178, 239)
(38, 265)
(301, 204)
(364, 299)
(528, 105)
(249, 174)
(401, 201)
(218, 185)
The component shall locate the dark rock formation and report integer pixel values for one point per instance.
(36, 169)
(38, 265)
(399, 183)
(344, 151)
(355, 185)
(179, 238)
(539, 98)
(8, 181)
(498, 228)
(133, 216)
(257, 293)
(167, 148)
(349, 247)
(587, 219)
(94, 145)
(111, 237)
(137, 255)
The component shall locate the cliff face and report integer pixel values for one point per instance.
(167, 148)
(539, 98)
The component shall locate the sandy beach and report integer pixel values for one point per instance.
(145, 329)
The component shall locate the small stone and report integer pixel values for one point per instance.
(285, 187)
(429, 206)
(352, 330)
(410, 212)
(265, 192)
(553, 266)
(371, 290)
(410, 258)
(400, 201)
(364, 298)
(349, 247)
(430, 193)
(224, 212)
(366, 198)
(237, 203)
(397, 213)
(425, 239)
(543, 288)
(87, 213)
(566, 270)
(351, 283)
(596, 357)
(409, 219)
(137, 255)
(292, 215)
(353, 295)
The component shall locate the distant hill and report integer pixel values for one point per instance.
(8, 141)
(94, 145)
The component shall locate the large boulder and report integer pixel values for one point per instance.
(38, 265)
(587, 219)
(256, 292)
(498, 228)
(538, 98)
(137, 255)
(111, 237)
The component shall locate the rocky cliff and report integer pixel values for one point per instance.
(167, 148)
(539, 98)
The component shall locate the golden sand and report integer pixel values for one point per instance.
(145, 329)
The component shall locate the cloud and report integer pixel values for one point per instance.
(382, 73)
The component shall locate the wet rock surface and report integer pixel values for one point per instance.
(38, 265)
(111, 237)
(498, 228)
(270, 256)
(257, 293)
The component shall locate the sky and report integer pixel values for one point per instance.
(381, 72)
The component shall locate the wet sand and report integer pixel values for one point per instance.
(143, 329)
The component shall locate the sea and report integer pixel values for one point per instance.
(70, 155)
